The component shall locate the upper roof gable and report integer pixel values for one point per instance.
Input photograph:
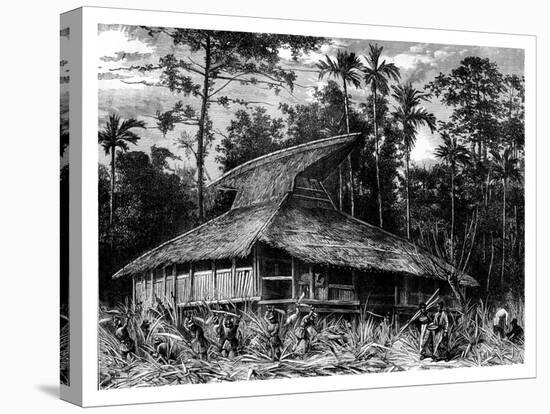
(270, 177)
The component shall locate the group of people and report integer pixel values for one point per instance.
(305, 330)
(226, 327)
(434, 330)
(500, 325)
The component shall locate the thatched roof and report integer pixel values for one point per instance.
(263, 211)
(270, 177)
(334, 238)
(313, 235)
(227, 236)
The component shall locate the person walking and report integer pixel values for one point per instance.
(227, 331)
(423, 320)
(440, 333)
(273, 327)
(199, 343)
(516, 332)
(306, 332)
(500, 321)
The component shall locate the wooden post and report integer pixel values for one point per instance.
(257, 272)
(164, 277)
(152, 287)
(234, 273)
(175, 285)
(134, 292)
(395, 290)
(191, 282)
(311, 283)
(293, 272)
(354, 283)
(405, 283)
(215, 279)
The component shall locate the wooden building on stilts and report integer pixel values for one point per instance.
(283, 238)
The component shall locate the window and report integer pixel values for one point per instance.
(277, 289)
(244, 261)
(340, 276)
(202, 265)
(223, 264)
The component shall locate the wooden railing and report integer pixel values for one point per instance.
(239, 284)
(203, 286)
(345, 293)
(225, 284)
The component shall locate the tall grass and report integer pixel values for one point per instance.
(343, 345)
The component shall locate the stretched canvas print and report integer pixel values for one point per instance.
(64, 77)
(317, 206)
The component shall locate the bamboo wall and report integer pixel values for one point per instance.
(184, 285)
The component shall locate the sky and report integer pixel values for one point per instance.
(127, 92)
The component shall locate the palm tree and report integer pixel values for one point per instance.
(117, 135)
(453, 154)
(411, 116)
(377, 75)
(347, 67)
(505, 170)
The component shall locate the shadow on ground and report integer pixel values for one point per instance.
(51, 390)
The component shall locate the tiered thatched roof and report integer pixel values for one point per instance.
(263, 211)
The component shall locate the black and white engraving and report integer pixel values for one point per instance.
(278, 206)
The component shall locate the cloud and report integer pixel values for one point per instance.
(127, 56)
(418, 62)
(314, 56)
(111, 76)
(426, 143)
(411, 60)
(113, 42)
(420, 48)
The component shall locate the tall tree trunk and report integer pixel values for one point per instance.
(490, 263)
(452, 212)
(376, 156)
(202, 130)
(407, 187)
(340, 184)
(503, 232)
(346, 108)
(111, 201)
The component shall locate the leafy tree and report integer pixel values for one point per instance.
(117, 135)
(154, 204)
(473, 91)
(218, 59)
(410, 115)
(250, 135)
(513, 99)
(347, 67)
(321, 118)
(377, 76)
(455, 155)
(390, 161)
(505, 171)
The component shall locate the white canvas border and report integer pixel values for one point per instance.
(91, 396)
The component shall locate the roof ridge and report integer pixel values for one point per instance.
(268, 221)
(275, 154)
